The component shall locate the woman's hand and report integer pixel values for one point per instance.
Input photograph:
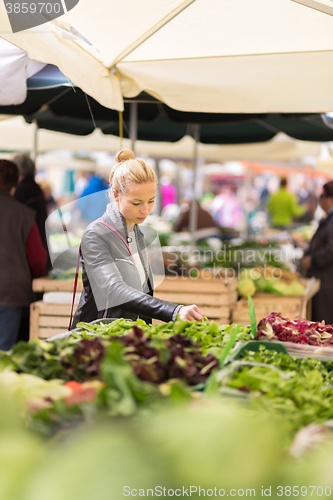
(191, 313)
(306, 262)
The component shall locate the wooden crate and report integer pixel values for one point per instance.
(46, 284)
(289, 306)
(214, 296)
(47, 320)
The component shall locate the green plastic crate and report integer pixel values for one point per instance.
(253, 345)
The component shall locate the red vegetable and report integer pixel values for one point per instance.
(298, 331)
(74, 386)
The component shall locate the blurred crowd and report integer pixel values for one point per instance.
(236, 208)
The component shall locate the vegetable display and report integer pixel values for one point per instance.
(117, 392)
(123, 367)
(300, 390)
(157, 360)
(265, 279)
(248, 254)
(153, 359)
(298, 331)
(116, 368)
(179, 259)
(211, 336)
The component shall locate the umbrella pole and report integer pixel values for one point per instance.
(178, 184)
(133, 124)
(193, 206)
(247, 189)
(35, 144)
(159, 190)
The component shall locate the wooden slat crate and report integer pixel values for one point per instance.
(214, 296)
(47, 320)
(289, 306)
(46, 284)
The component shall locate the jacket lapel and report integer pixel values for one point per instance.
(115, 219)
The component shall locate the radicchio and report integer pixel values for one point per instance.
(298, 331)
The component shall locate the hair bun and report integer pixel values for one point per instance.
(125, 154)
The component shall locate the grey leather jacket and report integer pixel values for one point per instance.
(111, 280)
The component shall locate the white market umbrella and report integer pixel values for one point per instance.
(16, 68)
(204, 55)
(17, 135)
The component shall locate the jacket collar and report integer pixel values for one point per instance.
(324, 220)
(117, 220)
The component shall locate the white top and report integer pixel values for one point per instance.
(134, 249)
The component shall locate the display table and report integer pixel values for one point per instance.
(289, 306)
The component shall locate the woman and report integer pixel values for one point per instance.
(318, 260)
(116, 274)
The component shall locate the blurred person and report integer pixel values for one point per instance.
(168, 192)
(22, 255)
(263, 197)
(206, 201)
(51, 203)
(227, 210)
(318, 259)
(116, 274)
(206, 226)
(29, 192)
(81, 183)
(92, 205)
(283, 207)
(307, 197)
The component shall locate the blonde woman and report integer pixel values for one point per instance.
(116, 274)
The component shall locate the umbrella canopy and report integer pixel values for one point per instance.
(16, 68)
(212, 56)
(17, 135)
(70, 110)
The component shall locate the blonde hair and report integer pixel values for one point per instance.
(129, 170)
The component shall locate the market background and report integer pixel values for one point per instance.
(222, 100)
